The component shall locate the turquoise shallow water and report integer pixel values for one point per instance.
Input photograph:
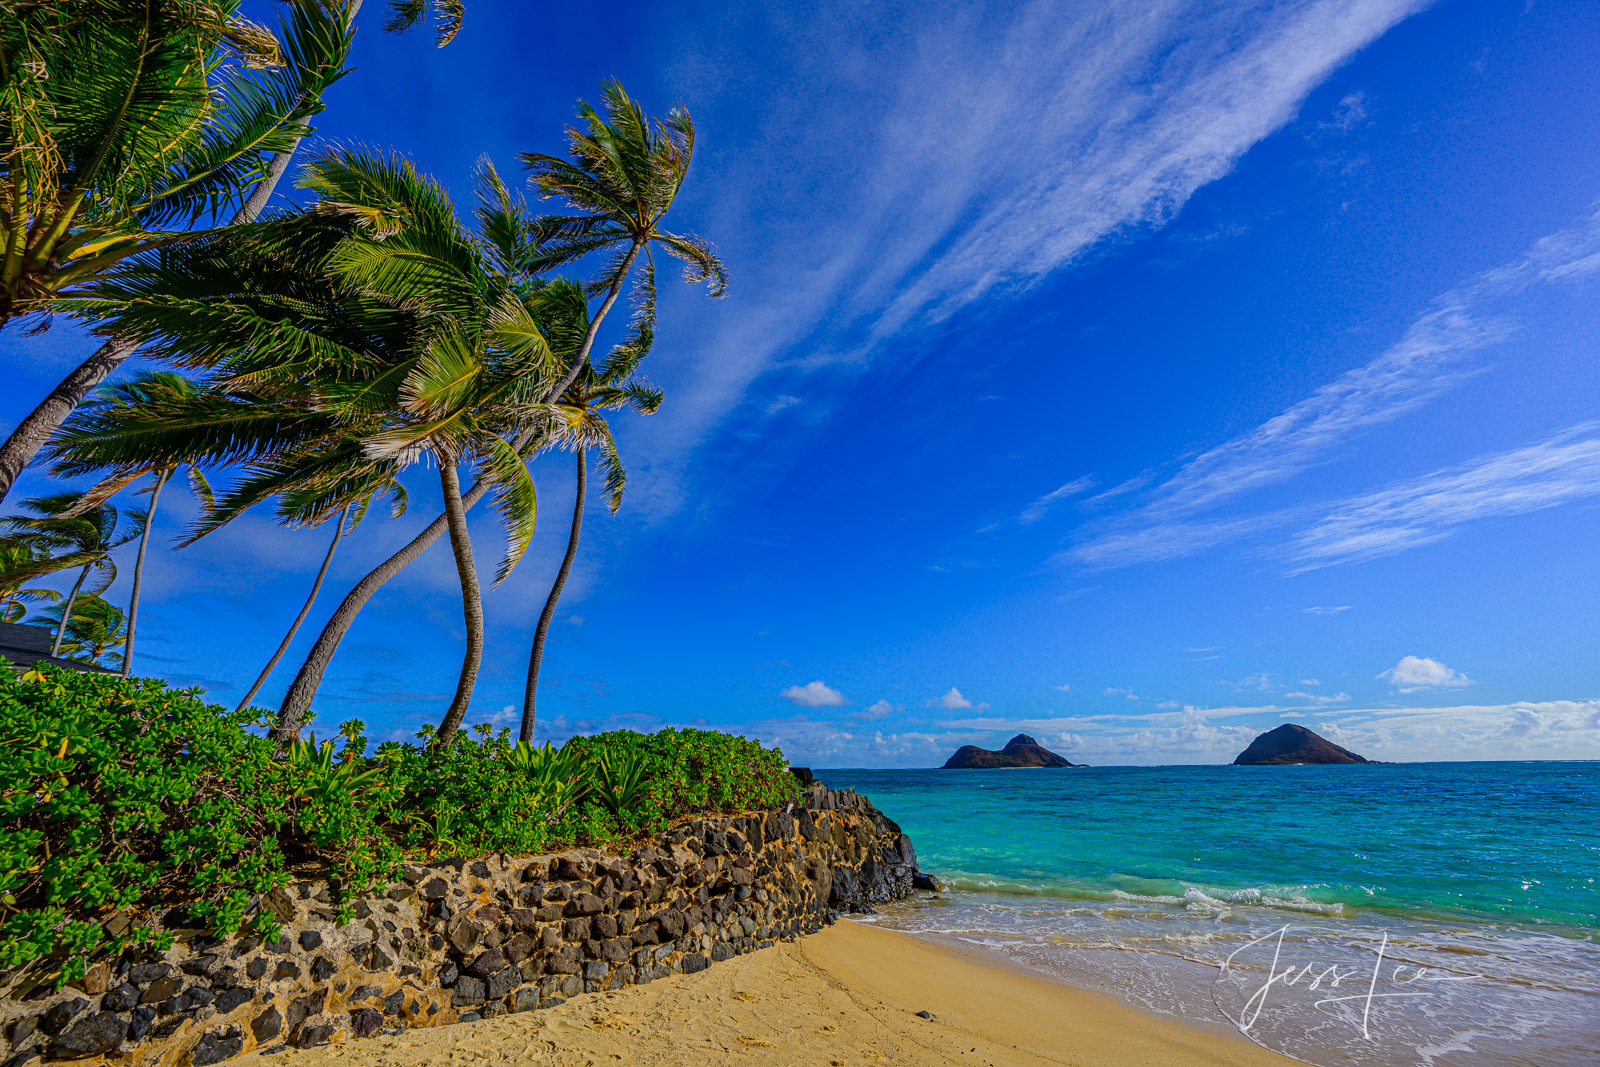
(1223, 893)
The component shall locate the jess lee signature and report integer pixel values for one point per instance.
(1319, 976)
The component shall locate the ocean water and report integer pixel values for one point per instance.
(1434, 913)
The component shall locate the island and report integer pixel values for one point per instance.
(1020, 751)
(1291, 744)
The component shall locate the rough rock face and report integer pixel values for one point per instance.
(1020, 751)
(1294, 744)
(458, 940)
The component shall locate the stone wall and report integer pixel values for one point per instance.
(458, 940)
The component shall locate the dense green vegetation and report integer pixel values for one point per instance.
(128, 808)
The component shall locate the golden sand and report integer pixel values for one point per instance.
(848, 995)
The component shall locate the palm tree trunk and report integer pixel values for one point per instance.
(297, 701)
(543, 631)
(338, 533)
(594, 327)
(66, 612)
(138, 573)
(471, 600)
(32, 432)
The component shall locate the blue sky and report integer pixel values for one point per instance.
(1139, 375)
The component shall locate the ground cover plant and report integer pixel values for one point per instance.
(129, 809)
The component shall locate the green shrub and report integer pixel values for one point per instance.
(127, 807)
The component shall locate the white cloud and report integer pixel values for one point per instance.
(1037, 510)
(1414, 674)
(1310, 681)
(1259, 681)
(1057, 127)
(576, 620)
(1350, 112)
(1430, 358)
(1063, 688)
(814, 695)
(1314, 699)
(951, 701)
(1320, 610)
(1126, 693)
(875, 711)
(782, 403)
(1555, 471)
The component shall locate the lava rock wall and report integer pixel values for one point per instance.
(463, 939)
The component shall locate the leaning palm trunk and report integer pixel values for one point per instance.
(32, 432)
(543, 631)
(297, 701)
(138, 573)
(66, 612)
(338, 533)
(471, 600)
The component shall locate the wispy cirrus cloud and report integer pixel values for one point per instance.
(1055, 129)
(1558, 470)
(1041, 507)
(1183, 514)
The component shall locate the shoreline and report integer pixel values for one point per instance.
(846, 995)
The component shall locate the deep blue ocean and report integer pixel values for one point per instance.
(1426, 913)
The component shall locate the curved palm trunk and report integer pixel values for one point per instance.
(297, 701)
(138, 574)
(543, 631)
(66, 612)
(594, 326)
(471, 600)
(338, 533)
(32, 432)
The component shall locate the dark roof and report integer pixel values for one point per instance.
(26, 645)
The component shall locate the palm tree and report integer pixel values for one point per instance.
(21, 560)
(253, 124)
(281, 364)
(336, 359)
(595, 390)
(625, 174)
(93, 626)
(152, 389)
(478, 375)
(90, 536)
(340, 530)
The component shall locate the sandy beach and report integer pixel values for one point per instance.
(848, 995)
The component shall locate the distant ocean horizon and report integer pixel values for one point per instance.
(1377, 915)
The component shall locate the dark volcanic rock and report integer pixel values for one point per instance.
(1020, 751)
(1294, 744)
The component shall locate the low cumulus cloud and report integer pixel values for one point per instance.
(952, 701)
(875, 711)
(816, 694)
(1414, 674)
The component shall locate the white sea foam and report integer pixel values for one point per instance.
(1500, 996)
